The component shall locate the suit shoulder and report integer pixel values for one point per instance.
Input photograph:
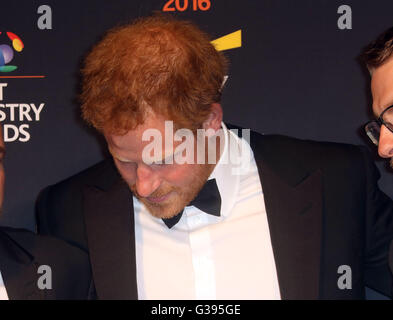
(292, 142)
(101, 174)
(283, 153)
(302, 148)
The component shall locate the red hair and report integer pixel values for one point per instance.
(157, 64)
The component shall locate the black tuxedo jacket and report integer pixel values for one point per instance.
(323, 205)
(23, 252)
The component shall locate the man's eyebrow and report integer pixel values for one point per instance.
(165, 159)
(383, 109)
(120, 158)
(116, 156)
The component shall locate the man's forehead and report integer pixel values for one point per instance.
(382, 87)
(135, 138)
(131, 146)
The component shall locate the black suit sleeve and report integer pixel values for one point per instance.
(29, 259)
(379, 232)
(59, 213)
(59, 208)
(43, 223)
(71, 273)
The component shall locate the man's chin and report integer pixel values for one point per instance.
(162, 211)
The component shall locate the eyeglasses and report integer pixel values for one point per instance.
(373, 128)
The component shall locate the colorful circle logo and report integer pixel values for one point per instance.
(7, 52)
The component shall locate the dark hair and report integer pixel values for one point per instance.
(379, 51)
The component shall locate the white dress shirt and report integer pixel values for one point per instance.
(3, 291)
(208, 257)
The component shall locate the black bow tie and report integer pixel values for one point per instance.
(207, 200)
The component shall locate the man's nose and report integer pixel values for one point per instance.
(147, 181)
(385, 145)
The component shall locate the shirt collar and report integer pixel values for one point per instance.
(224, 173)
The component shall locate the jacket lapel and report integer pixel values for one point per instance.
(111, 238)
(19, 271)
(293, 200)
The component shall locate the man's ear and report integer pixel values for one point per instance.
(214, 119)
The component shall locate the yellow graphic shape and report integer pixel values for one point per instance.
(17, 44)
(230, 41)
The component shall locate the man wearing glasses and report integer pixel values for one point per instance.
(378, 58)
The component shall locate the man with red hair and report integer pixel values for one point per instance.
(281, 219)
